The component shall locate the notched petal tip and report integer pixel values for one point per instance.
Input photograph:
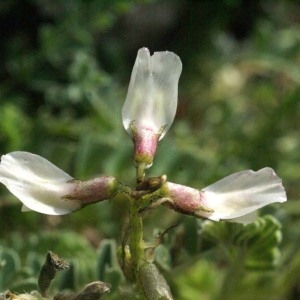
(266, 181)
(143, 52)
(277, 182)
(151, 100)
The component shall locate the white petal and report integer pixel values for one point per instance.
(245, 219)
(25, 208)
(37, 183)
(242, 193)
(152, 94)
(22, 164)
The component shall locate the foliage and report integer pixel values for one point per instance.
(64, 73)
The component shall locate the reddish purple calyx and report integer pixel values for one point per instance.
(145, 144)
(186, 200)
(94, 190)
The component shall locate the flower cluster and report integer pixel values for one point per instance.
(148, 113)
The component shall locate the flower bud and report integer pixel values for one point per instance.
(153, 283)
(52, 265)
(92, 291)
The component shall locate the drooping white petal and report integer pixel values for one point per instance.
(37, 183)
(242, 193)
(151, 100)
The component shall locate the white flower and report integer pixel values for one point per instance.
(151, 103)
(234, 198)
(238, 196)
(39, 184)
(45, 188)
(151, 100)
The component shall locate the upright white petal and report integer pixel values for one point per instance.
(151, 100)
(242, 193)
(37, 183)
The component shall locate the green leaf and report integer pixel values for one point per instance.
(10, 264)
(104, 258)
(108, 268)
(258, 241)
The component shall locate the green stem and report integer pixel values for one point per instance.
(135, 239)
(140, 172)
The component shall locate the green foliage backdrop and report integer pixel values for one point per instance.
(65, 67)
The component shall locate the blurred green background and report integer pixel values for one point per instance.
(64, 71)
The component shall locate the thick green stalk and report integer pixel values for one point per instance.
(135, 238)
(133, 261)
